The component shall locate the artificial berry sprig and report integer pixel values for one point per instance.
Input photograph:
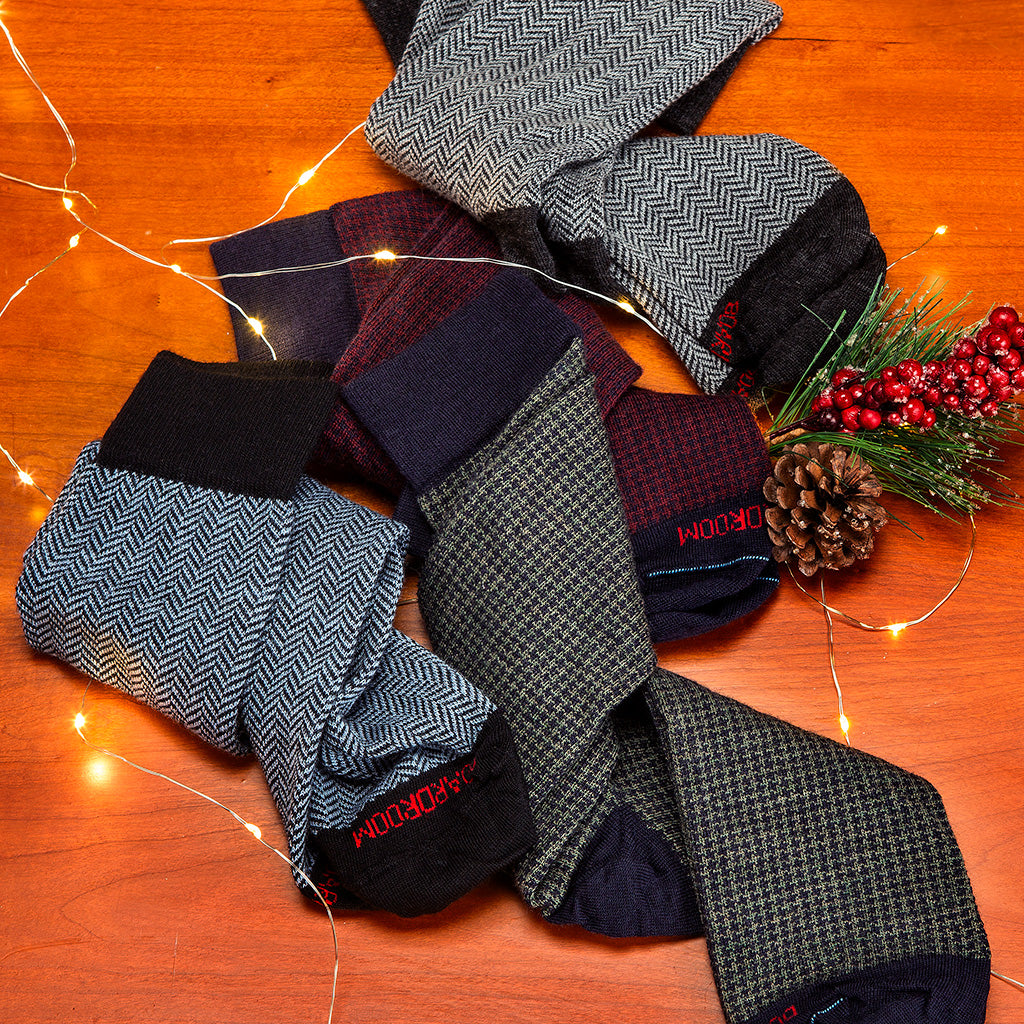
(981, 372)
(926, 403)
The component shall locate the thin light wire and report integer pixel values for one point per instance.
(46, 99)
(940, 230)
(389, 257)
(843, 721)
(49, 188)
(25, 478)
(252, 829)
(303, 179)
(30, 279)
(1009, 981)
(896, 627)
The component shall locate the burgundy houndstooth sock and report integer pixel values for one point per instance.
(685, 463)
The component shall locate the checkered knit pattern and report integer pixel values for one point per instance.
(529, 590)
(817, 867)
(691, 469)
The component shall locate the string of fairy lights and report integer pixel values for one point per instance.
(69, 196)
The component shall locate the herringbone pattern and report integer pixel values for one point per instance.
(486, 109)
(258, 624)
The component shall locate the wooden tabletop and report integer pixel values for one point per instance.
(123, 898)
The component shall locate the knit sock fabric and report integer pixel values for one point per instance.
(395, 22)
(743, 252)
(529, 589)
(691, 470)
(189, 563)
(685, 464)
(829, 881)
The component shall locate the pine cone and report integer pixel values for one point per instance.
(823, 512)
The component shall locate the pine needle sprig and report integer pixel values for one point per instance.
(948, 468)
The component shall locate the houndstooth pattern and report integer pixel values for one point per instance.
(683, 218)
(529, 589)
(258, 624)
(847, 862)
(486, 109)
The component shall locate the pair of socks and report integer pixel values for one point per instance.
(828, 883)
(744, 251)
(690, 467)
(190, 563)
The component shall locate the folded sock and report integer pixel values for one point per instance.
(691, 470)
(190, 563)
(684, 463)
(744, 252)
(829, 881)
(528, 588)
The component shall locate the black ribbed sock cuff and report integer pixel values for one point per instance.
(311, 314)
(248, 428)
(440, 400)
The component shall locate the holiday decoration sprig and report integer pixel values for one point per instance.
(924, 400)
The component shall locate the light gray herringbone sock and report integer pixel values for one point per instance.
(254, 606)
(521, 113)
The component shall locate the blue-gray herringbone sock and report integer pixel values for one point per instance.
(190, 563)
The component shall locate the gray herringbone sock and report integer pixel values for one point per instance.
(743, 250)
(494, 98)
(255, 607)
(829, 881)
(521, 113)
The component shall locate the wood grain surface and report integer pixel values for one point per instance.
(123, 898)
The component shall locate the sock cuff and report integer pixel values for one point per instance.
(245, 428)
(307, 315)
(437, 402)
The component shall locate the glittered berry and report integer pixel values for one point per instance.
(1010, 361)
(989, 409)
(913, 410)
(889, 374)
(893, 419)
(932, 369)
(968, 407)
(951, 401)
(948, 380)
(843, 377)
(1016, 333)
(964, 349)
(1003, 316)
(842, 399)
(870, 419)
(1002, 392)
(980, 364)
(1017, 379)
(830, 419)
(993, 341)
(962, 368)
(927, 421)
(897, 391)
(851, 417)
(910, 371)
(931, 395)
(976, 388)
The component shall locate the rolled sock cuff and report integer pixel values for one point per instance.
(436, 403)
(307, 315)
(242, 428)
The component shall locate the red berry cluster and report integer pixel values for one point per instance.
(979, 373)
